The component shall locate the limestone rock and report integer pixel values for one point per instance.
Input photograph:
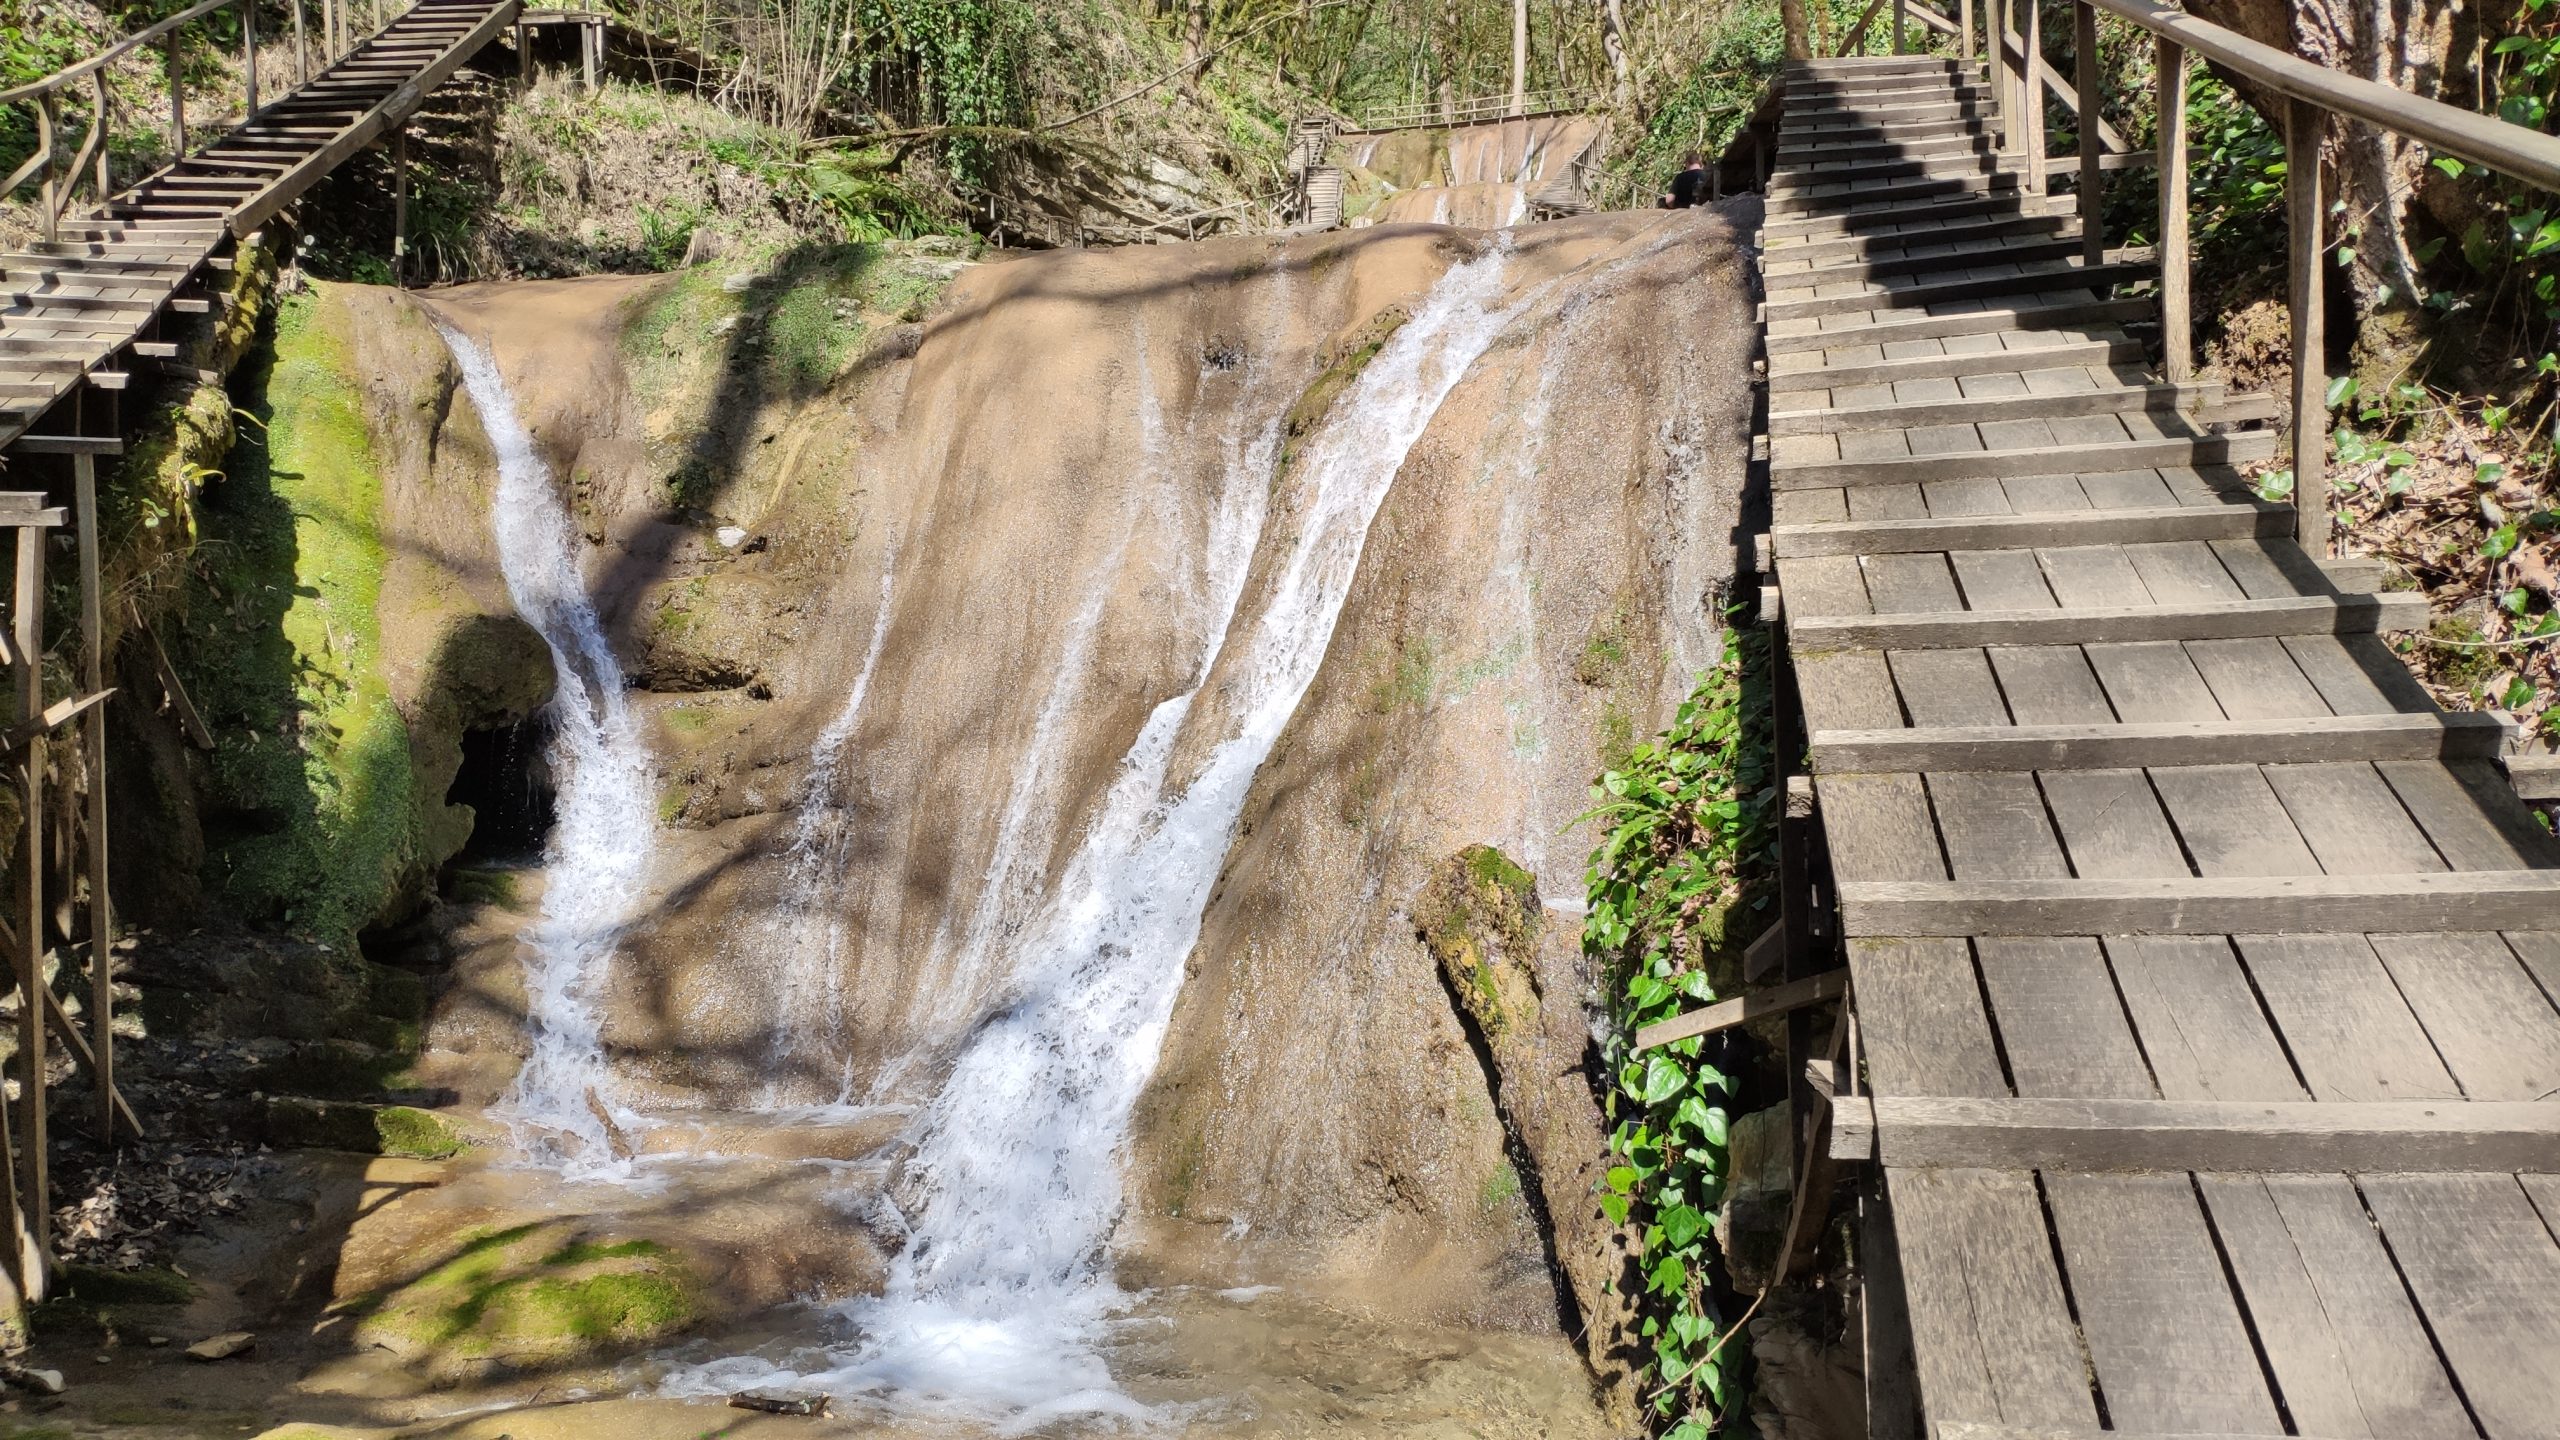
(223, 1346)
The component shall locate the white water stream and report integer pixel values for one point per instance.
(605, 825)
(999, 1303)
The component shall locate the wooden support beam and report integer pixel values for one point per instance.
(2177, 347)
(2092, 196)
(35, 1194)
(2459, 900)
(190, 719)
(2210, 620)
(2243, 1136)
(55, 716)
(78, 1044)
(1725, 1014)
(93, 675)
(69, 444)
(2536, 777)
(2467, 735)
(2245, 517)
(2304, 252)
(1976, 1430)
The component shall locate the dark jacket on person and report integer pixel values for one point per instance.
(1689, 188)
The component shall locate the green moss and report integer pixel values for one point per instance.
(1409, 678)
(1499, 1189)
(1614, 735)
(485, 887)
(1490, 867)
(151, 1285)
(313, 811)
(417, 1134)
(1603, 660)
(688, 721)
(1478, 915)
(1349, 359)
(537, 1289)
(94, 1302)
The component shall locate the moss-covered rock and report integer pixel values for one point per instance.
(1342, 365)
(298, 1122)
(93, 1302)
(1479, 915)
(544, 1292)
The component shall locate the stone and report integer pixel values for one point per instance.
(42, 1382)
(783, 1402)
(223, 1346)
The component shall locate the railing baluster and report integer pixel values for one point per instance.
(46, 126)
(1901, 25)
(177, 98)
(2169, 155)
(249, 51)
(2303, 223)
(99, 97)
(301, 48)
(2093, 182)
(1964, 33)
(2032, 83)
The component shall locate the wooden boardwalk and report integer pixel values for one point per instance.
(77, 306)
(2203, 971)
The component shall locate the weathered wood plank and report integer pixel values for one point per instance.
(2482, 1264)
(2308, 904)
(2239, 1137)
(1970, 629)
(2207, 742)
(2241, 517)
(1725, 1014)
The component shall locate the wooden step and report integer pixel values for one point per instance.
(2024, 249)
(1791, 183)
(2294, 740)
(19, 264)
(2001, 204)
(2105, 458)
(1833, 98)
(2240, 516)
(2056, 312)
(25, 301)
(1882, 132)
(2439, 901)
(2053, 350)
(1910, 294)
(1886, 123)
(1861, 202)
(1912, 414)
(1963, 230)
(1795, 159)
(2290, 615)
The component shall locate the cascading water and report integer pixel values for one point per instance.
(605, 823)
(806, 928)
(998, 1303)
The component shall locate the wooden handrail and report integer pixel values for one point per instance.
(113, 53)
(2510, 149)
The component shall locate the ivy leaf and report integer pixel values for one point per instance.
(1662, 1077)
(1621, 1179)
(2489, 473)
(2445, 163)
(1615, 1207)
(2501, 542)
(2519, 694)
(2514, 602)
(2342, 389)
(1669, 1276)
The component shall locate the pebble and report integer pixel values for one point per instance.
(223, 1346)
(26, 1377)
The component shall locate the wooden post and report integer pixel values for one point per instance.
(2177, 347)
(249, 52)
(2005, 71)
(301, 48)
(27, 618)
(1795, 899)
(1964, 34)
(93, 678)
(177, 97)
(1901, 26)
(2031, 92)
(104, 103)
(2303, 224)
(1519, 57)
(591, 50)
(400, 204)
(47, 121)
(524, 53)
(2093, 182)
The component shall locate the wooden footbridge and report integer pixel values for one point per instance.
(2204, 1035)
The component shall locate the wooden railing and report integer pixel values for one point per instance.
(1481, 108)
(2310, 94)
(63, 173)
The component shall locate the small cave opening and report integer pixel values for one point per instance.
(506, 780)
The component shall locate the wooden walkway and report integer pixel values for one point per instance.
(77, 306)
(2203, 971)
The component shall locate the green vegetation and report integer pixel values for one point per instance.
(538, 1291)
(1349, 359)
(312, 815)
(92, 1302)
(1688, 843)
(474, 886)
(1478, 915)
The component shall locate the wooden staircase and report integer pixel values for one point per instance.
(2204, 972)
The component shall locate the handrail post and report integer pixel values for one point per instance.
(2177, 349)
(105, 103)
(1901, 27)
(177, 98)
(2030, 66)
(2304, 243)
(48, 211)
(1964, 32)
(301, 48)
(400, 204)
(2093, 181)
(249, 52)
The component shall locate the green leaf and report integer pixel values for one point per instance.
(1680, 1225)
(2519, 694)
(1668, 1276)
(1621, 1179)
(1615, 1207)
(2501, 542)
(1662, 1079)
(2342, 390)
(2489, 473)
(2447, 164)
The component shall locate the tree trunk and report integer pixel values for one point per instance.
(1613, 42)
(1195, 44)
(1519, 56)
(1799, 40)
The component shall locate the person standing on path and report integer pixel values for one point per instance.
(1689, 187)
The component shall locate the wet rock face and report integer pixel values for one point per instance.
(980, 549)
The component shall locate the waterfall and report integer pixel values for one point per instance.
(597, 857)
(806, 927)
(997, 1305)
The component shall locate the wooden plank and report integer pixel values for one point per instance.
(34, 1188)
(1985, 1299)
(2016, 462)
(2422, 903)
(2493, 1026)
(2201, 742)
(1971, 629)
(1907, 414)
(2239, 1137)
(2535, 777)
(2242, 517)
(1724, 1015)
(2483, 1267)
(56, 715)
